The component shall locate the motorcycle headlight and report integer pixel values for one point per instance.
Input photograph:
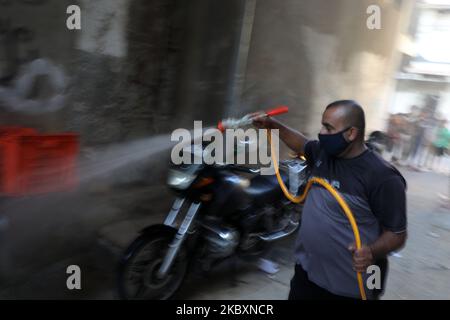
(180, 180)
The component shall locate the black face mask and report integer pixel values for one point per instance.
(334, 144)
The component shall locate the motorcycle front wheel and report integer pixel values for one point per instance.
(139, 266)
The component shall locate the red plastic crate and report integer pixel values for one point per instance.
(36, 164)
(16, 131)
(9, 153)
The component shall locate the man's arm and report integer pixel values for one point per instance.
(388, 203)
(292, 138)
(388, 242)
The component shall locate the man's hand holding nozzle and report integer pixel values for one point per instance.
(265, 122)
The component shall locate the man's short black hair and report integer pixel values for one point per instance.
(354, 113)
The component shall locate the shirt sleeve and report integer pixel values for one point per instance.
(388, 203)
(311, 151)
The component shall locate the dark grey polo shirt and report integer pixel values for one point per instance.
(374, 191)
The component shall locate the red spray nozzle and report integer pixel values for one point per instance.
(277, 111)
(221, 127)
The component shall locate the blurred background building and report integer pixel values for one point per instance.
(424, 71)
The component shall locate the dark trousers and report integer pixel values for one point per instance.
(303, 289)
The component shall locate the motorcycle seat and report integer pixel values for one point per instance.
(264, 189)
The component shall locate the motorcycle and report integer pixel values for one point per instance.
(229, 211)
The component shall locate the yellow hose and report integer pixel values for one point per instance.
(336, 195)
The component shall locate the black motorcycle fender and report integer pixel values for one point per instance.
(150, 231)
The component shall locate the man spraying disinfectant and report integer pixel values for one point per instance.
(375, 191)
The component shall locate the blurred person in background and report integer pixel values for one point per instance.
(425, 130)
(440, 146)
(418, 128)
(393, 134)
(402, 134)
(428, 144)
(408, 135)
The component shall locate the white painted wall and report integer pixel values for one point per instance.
(103, 25)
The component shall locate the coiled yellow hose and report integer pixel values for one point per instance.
(336, 195)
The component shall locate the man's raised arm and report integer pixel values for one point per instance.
(292, 138)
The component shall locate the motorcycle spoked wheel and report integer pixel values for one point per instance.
(137, 274)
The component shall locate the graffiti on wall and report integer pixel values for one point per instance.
(29, 83)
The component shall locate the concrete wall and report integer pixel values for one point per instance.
(309, 53)
(135, 69)
(211, 44)
(113, 67)
(30, 30)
